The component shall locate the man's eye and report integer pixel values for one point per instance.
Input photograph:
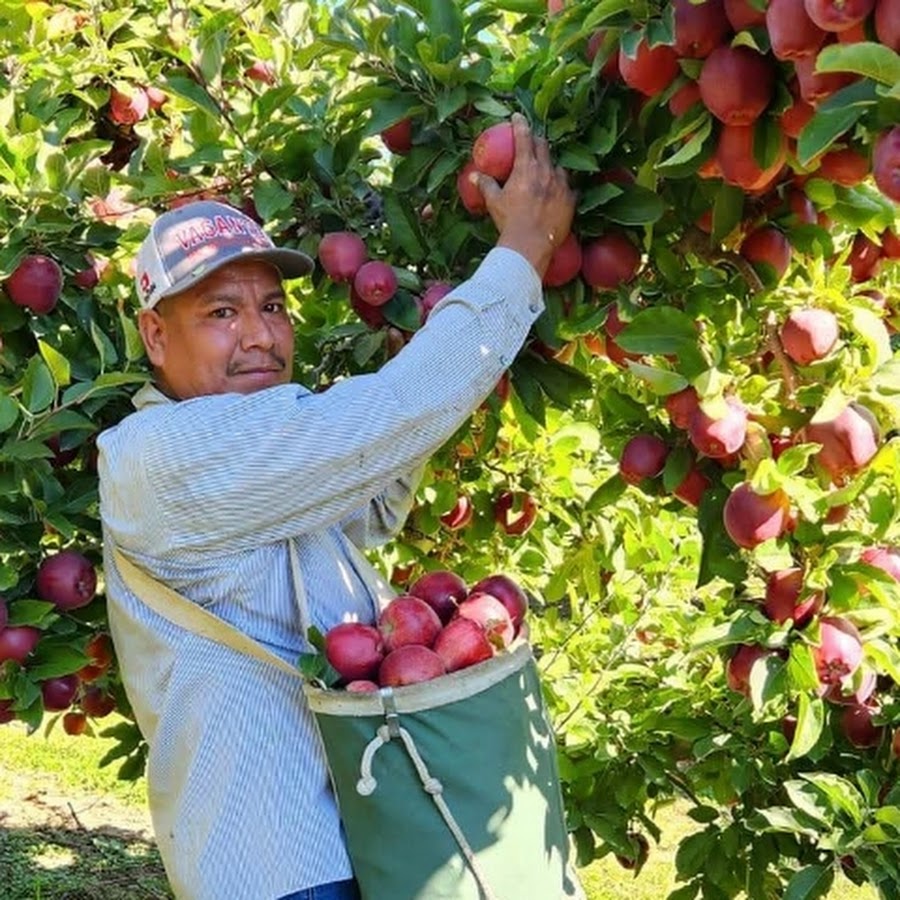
(221, 312)
(276, 306)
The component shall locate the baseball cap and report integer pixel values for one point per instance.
(188, 243)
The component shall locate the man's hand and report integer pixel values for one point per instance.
(534, 208)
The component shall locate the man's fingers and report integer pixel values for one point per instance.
(542, 152)
(522, 136)
(489, 188)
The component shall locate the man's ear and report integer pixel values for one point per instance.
(152, 327)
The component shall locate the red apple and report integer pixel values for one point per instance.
(156, 98)
(719, 438)
(375, 282)
(886, 161)
(699, 27)
(262, 70)
(681, 405)
(849, 441)
(97, 703)
(410, 664)
(460, 515)
(434, 293)
(795, 117)
(769, 246)
(442, 590)
(128, 107)
(408, 620)
(885, 558)
(856, 724)
(846, 167)
(35, 284)
(469, 192)
(508, 593)
(692, 487)
(491, 614)
(361, 686)
(609, 260)
(644, 456)
(808, 335)
(818, 86)
(462, 643)
(58, 693)
(7, 714)
(651, 70)
(371, 315)
(783, 589)
(99, 649)
(684, 98)
(398, 137)
(354, 650)
(838, 15)
(839, 651)
(736, 84)
(565, 264)
(751, 518)
(515, 511)
(74, 723)
(341, 254)
(743, 14)
(792, 33)
(740, 665)
(887, 23)
(867, 684)
(494, 151)
(17, 642)
(67, 579)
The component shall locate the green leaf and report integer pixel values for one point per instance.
(38, 387)
(810, 722)
(52, 662)
(607, 493)
(728, 210)
(189, 90)
(809, 883)
(823, 129)
(270, 198)
(636, 205)
(661, 381)
(57, 363)
(404, 226)
(561, 383)
(37, 613)
(871, 60)
(659, 330)
(842, 795)
(392, 110)
(9, 412)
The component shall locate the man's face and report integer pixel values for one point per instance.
(230, 332)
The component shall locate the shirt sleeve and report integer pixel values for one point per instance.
(382, 517)
(229, 472)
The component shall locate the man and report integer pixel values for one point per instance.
(224, 462)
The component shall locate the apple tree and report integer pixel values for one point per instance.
(691, 466)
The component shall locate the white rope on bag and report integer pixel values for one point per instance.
(367, 784)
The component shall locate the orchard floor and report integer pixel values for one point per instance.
(71, 831)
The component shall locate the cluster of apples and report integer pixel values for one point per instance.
(844, 680)
(68, 580)
(441, 625)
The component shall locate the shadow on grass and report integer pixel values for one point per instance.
(45, 863)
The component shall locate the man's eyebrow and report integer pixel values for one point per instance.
(228, 296)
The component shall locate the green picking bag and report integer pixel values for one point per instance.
(449, 789)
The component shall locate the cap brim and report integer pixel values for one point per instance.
(290, 263)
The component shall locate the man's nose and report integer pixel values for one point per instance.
(256, 332)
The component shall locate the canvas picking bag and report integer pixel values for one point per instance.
(448, 789)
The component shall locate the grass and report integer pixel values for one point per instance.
(72, 831)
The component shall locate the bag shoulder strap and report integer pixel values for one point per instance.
(182, 612)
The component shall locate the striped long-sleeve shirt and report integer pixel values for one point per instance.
(204, 494)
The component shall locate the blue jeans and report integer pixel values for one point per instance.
(335, 890)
